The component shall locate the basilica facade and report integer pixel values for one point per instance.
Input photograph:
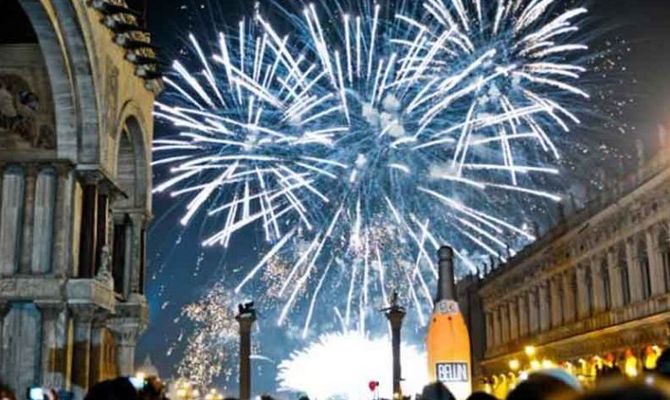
(590, 295)
(77, 85)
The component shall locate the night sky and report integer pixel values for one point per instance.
(635, 34)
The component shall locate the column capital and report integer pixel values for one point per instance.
(245, 321)
(50, 309)
(83, 312)
(126, 333)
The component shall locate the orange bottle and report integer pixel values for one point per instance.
(448, 340)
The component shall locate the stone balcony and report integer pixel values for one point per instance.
(655, 309)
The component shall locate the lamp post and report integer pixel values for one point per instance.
(245, 317)
(395, 314)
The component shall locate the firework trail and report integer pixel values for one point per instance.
(369, 136)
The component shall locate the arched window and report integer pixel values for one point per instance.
(607, 289)
(643, 263)
(623, 271)
(664, 250)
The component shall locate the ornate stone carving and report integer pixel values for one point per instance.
(19, 111)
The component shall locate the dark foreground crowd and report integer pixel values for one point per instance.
(550, 384)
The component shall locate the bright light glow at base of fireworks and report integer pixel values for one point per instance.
(340, 366)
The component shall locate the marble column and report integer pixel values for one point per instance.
(533, 311)
(583, 302)
(513, 320)
(62, 249)
(4, 310)
(54, 343)
(656, 274)
(83, 315)
(245, 321)
(11, 215)
(497, 338)
(504, 319)
(523, 315)
(28, 220)
(615, 280)
(556, 300)
(598, 297)
(489, 330)
(43, 225)
(543, 300)
(634, 272)
(97, 365)
(568, 298)
(126, 334)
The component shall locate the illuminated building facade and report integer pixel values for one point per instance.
(592, 293)
(77, 86)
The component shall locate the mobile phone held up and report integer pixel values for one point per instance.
(138, 383)
(36, 393)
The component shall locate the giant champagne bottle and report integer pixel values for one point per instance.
(447, 340)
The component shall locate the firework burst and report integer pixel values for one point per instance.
(369, 136)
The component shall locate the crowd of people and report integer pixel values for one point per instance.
(548, 384)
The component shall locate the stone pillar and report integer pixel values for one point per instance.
(4, 310)
(88, 230)
(656, 274)
(126, 333)
(556, 300)
(489, 330)
(96, 370)
(504, 323)
(63, 222)
(616, 287)
(583, 302)
(10, 220)
(54, 343)
(634, 273)
(523, 315)
(513, 320)
(395, 314)
(598, 289)
(568, 299)
(543, 301)
(28, 218)
(497, 338)
(246, 320)
(43, 226)
(81, 358)
(533, 311)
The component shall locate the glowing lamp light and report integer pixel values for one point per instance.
(530, 351)
(534, 364)
(548, 364)
(514, 364)
(651, 356)
(630, 365)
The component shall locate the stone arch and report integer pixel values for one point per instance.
(132, 162)
(67, 60)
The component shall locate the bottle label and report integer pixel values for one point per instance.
(446, 307)
(450, 372)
